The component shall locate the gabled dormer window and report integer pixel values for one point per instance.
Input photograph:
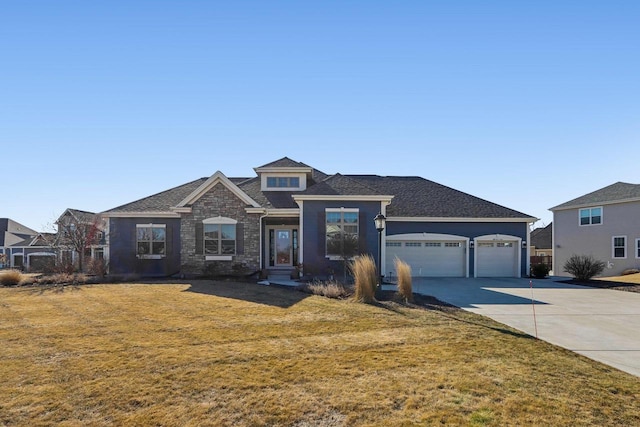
(283, 182)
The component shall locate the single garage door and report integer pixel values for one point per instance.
(497, 259)
(428, 258)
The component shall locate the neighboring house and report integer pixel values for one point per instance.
(80, 236)
(541, 245)
(604, 223)
(291, 215)
(23, 248)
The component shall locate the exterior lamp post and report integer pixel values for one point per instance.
(380, 221)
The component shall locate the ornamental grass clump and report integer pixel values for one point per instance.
(405, 288)
(11, 278)
(365, 276)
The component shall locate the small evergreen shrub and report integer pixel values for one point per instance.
(540, 271)
(405, 284)
(365, 276)
(583, 267)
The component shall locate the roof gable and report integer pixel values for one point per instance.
(284, 162)
(215, 179)
(542, 238)
(617, 192)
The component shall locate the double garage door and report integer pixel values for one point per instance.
(447, 257)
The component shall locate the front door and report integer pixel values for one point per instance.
(283, 247)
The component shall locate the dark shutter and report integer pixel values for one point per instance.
(322, 234)
(239, 238)
(362, 232)
(199, 238)
(168, 240)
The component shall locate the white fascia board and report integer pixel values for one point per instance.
(454, 219)
(255, 210)
(303, 197)
(217, 178)
(293, 212)
(588, 205)
(290, 169)
(141, 215)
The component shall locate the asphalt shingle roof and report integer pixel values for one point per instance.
(413, 196)
(284, 162)
(419, 197)
(541, 237)
(612, 193)
(160, 202)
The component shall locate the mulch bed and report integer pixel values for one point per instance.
(603, 284)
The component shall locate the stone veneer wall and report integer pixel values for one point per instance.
(220, 201)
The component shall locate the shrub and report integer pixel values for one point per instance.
(11, 277)
(97, 267)
(405, 288)
(540, 271)
(365, 276)
(63, 279)
(583, 267)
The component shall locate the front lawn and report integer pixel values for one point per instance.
(236, 354)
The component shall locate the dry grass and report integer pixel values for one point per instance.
(11, 277)
(365, 277)
(405, 284)
(326, 289)
(233, 354)
(629, 278)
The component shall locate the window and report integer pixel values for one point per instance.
(504, 245)
(283, 182)
(413, 244)
(591, 216)
(151, 240)
(219, 239)
(342, 232)
(637, 248)
(393, 244)
(452, 244)
(619, 246)
(432, 244)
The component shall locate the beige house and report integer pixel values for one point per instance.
(604, 224)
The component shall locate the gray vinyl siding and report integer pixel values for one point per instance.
(621, 219)
(466, 229)
(122, 248)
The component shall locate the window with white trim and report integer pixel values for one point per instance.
(432, 244)
(452, 244)
(619, 246)
(283, 182)
(151, 239)
(591, 216)
(413, 244)
(393, 244)
(637, 248)
(342, 231)
(219, 236)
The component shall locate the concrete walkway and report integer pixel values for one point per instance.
(601, 324)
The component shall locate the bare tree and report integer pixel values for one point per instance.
(77, 232)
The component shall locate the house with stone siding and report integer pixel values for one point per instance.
(293, 217)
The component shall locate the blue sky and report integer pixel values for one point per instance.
(526, 104)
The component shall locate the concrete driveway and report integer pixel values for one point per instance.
(602, 324)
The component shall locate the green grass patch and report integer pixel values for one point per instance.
(238, 354)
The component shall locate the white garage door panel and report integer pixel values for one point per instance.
(429, 258)
(496, 259)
